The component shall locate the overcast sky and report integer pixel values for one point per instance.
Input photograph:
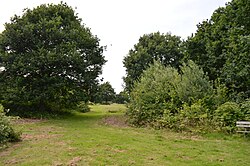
(120, 23)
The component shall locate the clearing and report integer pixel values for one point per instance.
(101, 137)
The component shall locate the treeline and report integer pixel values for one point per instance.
(105, 94)
(201, 83)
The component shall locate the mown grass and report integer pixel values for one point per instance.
(86, 139)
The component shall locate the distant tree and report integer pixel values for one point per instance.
(221, 47)
(121, 98)
(166, 48)
(105, 93)
(51, 59)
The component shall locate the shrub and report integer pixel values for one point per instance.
(226, 116)
(187, 101)
(169, 120)
(7, 133)
(152, 94)
(162, 92)
(83, 107)
(245, 108)
(194, 85)
(190, 118)
(193, 115)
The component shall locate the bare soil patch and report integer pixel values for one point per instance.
(13, 161)
(74, 161)
(117, 121)
(8, 150)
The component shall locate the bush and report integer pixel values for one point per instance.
(7, 133)
(226, 116)
(187, 101)
(162, 92)
(152, 94)
(194, 85)
(190, 118)
(83, 107)
(245, 108)
(194, 115)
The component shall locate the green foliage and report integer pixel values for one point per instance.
(83, 107)
(227, 114)
(221, 47)
(152, 94)
(245, 108)
(194, 115)
(190, 118)
(105, 93)
(166, 48)
(51, 59)
(7, 133)
(186, 101)
(163, 97)
(194, 84)
(122, 97)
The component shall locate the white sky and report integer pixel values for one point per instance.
(120, 23)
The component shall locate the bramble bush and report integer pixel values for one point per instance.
(7, 133)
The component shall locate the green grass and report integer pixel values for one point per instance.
(87, 139)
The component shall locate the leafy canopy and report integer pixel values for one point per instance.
(221, 47)
(166, 48)
(105, 93)
(50, 59)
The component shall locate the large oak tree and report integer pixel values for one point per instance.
(50, 59)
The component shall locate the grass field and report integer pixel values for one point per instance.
(100, 137)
